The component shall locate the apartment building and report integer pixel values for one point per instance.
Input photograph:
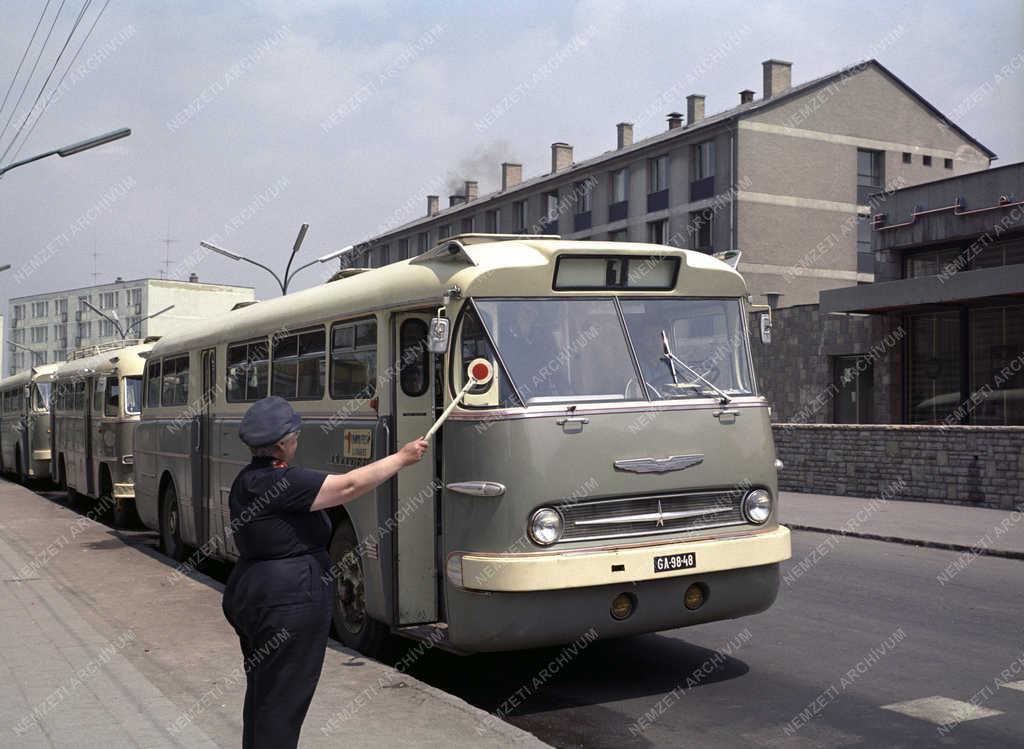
(47, 326)
(784, 178)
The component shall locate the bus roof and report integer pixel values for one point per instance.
(127, 360)
(480, 265)
(40, 373)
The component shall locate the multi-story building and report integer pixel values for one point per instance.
(47, 326)
(784, 179)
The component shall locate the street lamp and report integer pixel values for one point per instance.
(5, 267)
(289, 274)
(33, 352)
(122, 331)
(83, 145)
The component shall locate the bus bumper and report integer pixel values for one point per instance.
(500, 620)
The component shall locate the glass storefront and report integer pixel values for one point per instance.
(933, 386)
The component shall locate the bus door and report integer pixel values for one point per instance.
(415, 510)
(87, 440)
(202, 480)
(26, 432)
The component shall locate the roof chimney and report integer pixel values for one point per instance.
(675, 119)
(694, 108)
(625, 134)
(511, 175)
(472, 190)
(746, 96)
(433, 205)
(193, 278)
(561, 157)
(778, 76)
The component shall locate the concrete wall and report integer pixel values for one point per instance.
(981, 466)
(192, 303)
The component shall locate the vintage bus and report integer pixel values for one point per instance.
(25, 423)
(617, 473)
(97, 398)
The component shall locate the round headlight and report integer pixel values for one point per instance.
(757, 506)
(545, 526)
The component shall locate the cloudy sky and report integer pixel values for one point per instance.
(250, 118)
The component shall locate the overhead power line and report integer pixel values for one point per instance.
(24, 54)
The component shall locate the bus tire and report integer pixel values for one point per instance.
(171, 542)
(352, 626)
(124, 514)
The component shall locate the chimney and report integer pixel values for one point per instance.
(625, 134)
(472, 190)
(454, 200)
(746, 96)
(511, 175)
(778, 76)
(433, 205)
(561, 157)
(694, 108)
(193, 278)
(675, 119)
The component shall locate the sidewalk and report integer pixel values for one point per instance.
(978, 530)
(106, 645)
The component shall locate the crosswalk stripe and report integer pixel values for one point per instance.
(1019, 685)
(941, 710)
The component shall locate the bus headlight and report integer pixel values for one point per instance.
(545, 526)
(757, 506)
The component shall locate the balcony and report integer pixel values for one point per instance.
(549, 226)
(618, 211)
(657, 201)
(701, 189)
(581, 221)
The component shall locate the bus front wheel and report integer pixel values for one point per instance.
(171, 542)
(352, 625)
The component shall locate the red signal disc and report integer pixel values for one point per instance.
(481, 371)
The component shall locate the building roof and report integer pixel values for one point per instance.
(128, 281)
(680, 132)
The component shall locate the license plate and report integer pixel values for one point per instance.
(672, 562)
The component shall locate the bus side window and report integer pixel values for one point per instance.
(153, 384)
(299, 366)
(110, 407)
(80, 394)
(354, 359)
(99, 389)
(174, 391)
(247, 371)
(414, 363)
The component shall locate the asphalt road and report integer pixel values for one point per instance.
(866, 627)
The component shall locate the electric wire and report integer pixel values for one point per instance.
(24, 55)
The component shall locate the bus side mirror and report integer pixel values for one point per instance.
(766, 327)
(437, 336)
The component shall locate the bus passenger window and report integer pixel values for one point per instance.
(174, 391)
(354, 359)
(153, 384)
(41, 396)
(299, 367)
(79, 401)
(132, 395)
(247, 371)
(110, 407)
(97, 395)
(414, 364)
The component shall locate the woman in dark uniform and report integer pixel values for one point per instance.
(278, 596)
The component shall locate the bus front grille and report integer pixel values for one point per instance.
(651, 515)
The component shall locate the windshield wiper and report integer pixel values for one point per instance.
(673, 359)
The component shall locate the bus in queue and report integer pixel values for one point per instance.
(616, 473)
(25, 423)
(97, 398)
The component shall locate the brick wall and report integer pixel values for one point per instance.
(980, 466)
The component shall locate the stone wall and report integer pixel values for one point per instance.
(980, 466)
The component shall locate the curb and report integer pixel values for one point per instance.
(1004, 553)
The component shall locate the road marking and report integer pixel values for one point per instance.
(942, 711)
(1019, 685)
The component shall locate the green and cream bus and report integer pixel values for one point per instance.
(617, 473)
(97, 398)
(25, 423)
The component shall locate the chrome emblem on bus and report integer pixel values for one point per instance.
(659, 465)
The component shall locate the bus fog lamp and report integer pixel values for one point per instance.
(623, 606)
(693, 599)
(453, 568)
(757, 506)
(545, 526)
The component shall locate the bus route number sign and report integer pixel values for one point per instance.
(672, 562)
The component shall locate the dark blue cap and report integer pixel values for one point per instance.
(267, 421)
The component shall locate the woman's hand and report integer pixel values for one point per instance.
(413, 452)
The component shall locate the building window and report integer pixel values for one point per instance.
(109, 300)
(403, 249)
(82, 301)
(60, 354)
(519, 215)
(40, 309)
(422, 241)
(60, 332)
(870, 174)
(40, 334)
(18, 335)
(581, 192)
(907, 157)
(106, 328)
(443, 232)
(947, 163)
(854, 382)
(926, 160)
(247, 371)
(19, 311)
(620, 186)
(354, 359)
(997, 381)
(466, 225)
(60, 306)
(703, 160)
(657, 174)
(491, 221)
(933, 382)
(38, 357)
(657, 232)
(550, 208)
(299, 367)
(85, 330)
(382, 255)
(701, 229)
(135, 297)
(622, 235)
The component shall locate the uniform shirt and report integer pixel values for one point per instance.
(270, 514)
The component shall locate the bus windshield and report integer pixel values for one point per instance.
(41, 396)
(132, 395)
(576, 350)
